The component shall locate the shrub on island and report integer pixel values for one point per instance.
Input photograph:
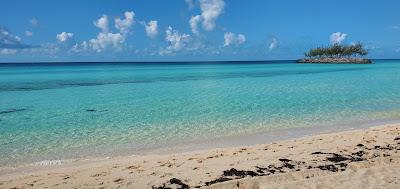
(337, 53)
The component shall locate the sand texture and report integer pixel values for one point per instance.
(367, 158)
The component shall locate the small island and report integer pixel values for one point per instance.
(337, 54)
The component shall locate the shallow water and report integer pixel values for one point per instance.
(59, 111)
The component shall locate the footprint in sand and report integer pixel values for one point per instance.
(168, 164)
(133, 167)
(102, 174)
(119, 180)
(166, 175)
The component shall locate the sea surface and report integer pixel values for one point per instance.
(76, 110)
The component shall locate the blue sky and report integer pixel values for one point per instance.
(192, 30)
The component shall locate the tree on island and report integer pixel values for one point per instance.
(337, 51)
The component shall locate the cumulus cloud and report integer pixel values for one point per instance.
(233, 39)
(273, 44)
(194, 21)
(151, 28)
(28, 33)
(175, 40)
(102, 23)
(123, 25)
(337, 37)
(106, 40)
(210, 11)
(64, 36)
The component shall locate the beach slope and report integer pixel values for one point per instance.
(367, 158)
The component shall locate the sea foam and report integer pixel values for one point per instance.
(48, 163)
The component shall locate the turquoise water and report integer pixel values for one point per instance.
(59, 111)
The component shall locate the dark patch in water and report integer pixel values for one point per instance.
(30, 86)
(12, 110)
(94, 110)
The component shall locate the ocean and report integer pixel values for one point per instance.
(76, 110)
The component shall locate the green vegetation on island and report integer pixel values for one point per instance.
(337, 53)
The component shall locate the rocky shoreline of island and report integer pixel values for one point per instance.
(328, 60)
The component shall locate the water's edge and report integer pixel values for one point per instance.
(265, 137)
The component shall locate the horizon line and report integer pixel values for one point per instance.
(179, 61)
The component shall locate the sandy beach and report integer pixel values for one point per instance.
(212, 94)
(366, 158)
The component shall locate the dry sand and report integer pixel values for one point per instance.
(367, 158)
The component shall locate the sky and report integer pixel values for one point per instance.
(192, 30)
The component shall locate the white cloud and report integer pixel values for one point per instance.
(102, 23)
(190, 3)
(175, 40)
(28, 33)
(81, 47)
(337, 37)
(7, 51)
(151, 28)
(64, 36)
(123, 25)
(233, 39)
(10, 41)
(210, 11)
(8, 38)
(273, 44)
(34, 22)
(106, 40)
(194, 23)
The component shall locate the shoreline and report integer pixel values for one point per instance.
(161, 167)
(204, 144)
(328, 60)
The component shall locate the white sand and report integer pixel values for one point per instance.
(284, 164)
